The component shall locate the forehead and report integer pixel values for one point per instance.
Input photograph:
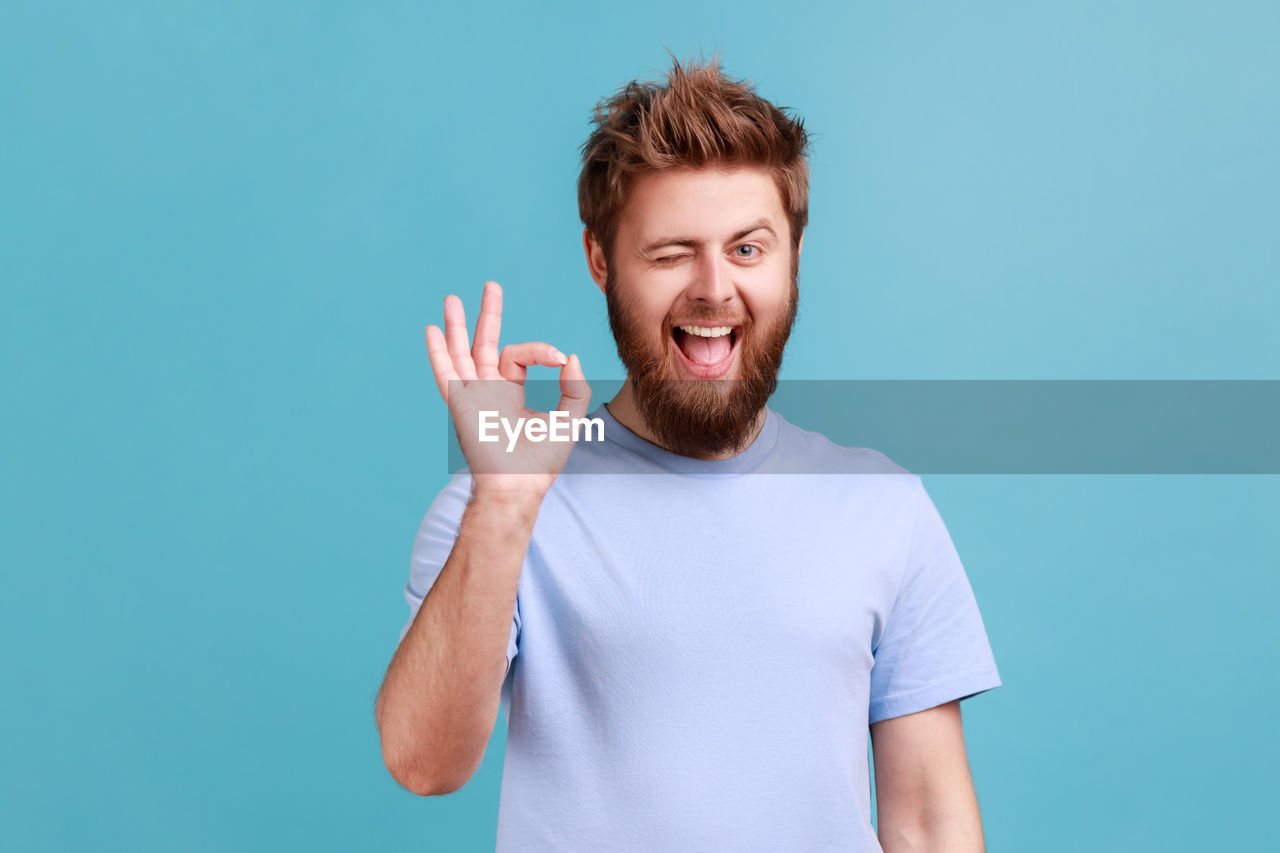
(708, 203)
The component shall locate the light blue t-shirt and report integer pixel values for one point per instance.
(698, 647)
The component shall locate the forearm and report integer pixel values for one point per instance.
(440, 698)
(925, 798)
(959, 831)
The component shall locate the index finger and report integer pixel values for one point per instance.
(516, 357)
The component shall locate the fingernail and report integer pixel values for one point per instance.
(559, 356)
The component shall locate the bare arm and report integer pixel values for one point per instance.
(440, 698)
(924, 794)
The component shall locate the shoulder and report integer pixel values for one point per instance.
(813, 452)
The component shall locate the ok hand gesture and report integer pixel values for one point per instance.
(479, 378)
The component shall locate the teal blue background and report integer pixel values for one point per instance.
(225, 226)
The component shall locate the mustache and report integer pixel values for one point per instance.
(699, 417)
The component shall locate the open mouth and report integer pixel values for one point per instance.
(706, 351)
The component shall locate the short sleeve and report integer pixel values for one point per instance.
(934, 647)
(434, 542)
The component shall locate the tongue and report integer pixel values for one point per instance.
(705, 351)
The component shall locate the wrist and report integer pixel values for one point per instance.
(519, 491)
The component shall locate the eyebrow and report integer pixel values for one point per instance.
(690, 241)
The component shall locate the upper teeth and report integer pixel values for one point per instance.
(707, 331)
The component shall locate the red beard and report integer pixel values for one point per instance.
(700, 417)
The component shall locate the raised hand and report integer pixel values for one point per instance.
(479, 378)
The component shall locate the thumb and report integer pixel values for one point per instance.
(575, 393)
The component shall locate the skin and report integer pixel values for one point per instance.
(441, 694)
(924, 792)
(440, 698)
(747, 275)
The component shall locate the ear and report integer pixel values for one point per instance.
(800, 245)
(595, 259)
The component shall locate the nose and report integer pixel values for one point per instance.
(711, 284)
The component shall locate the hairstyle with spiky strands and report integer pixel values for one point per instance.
(697, 118)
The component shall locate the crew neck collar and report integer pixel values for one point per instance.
(743, 462)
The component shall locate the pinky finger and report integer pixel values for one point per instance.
(441, 361)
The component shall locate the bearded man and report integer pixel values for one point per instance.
(700, 631)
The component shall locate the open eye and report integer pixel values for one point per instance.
(754, 253)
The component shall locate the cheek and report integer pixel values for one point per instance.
(650, 305)
(645, 317)
(769, 294)
(648, 295)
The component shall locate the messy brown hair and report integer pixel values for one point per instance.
(697, 118)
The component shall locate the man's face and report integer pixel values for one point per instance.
(702, 295)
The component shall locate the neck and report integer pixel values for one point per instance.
(623, 409)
